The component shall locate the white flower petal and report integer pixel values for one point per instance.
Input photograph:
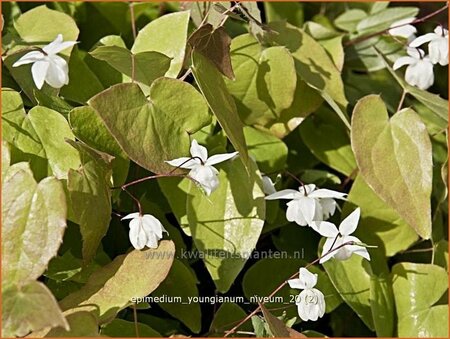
(294, 213)
(131, 216)
(308, 208)
(359, 250)
(58, 45)
(206, 176)
(199, 151)
(39, 72)
(309, 279)
(349, 224)
(297, 284)
(58, 73)
(268, 185)
(137, 235)
(327, 247)
(152, 225)
(326, 193)
(284, 194)
(29, 58)
(423, 39)
(441, 31)
(328, 207)
(400, 62)
(218, 158)
(420, 74)
(184, 162)
(302, 310)
(152, 240)
(325, 229)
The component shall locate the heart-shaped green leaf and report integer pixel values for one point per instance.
(265, 80)
(33, 223)
(38, 137)
(157, 129)
(227, 233)
(166, 35)
(394, 157)
(417, 288)
(29, 307)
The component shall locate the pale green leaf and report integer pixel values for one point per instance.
(39, 136)
(226, 226)
(417, 288)
(133, 275)
(313, 65)
(34, 219)
(265, 80)
(157, 129)
(40, 25)
(29, 307)
(394, 158)
(167, 35)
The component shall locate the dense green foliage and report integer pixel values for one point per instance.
(303, 91)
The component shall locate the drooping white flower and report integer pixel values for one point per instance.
(145, 230)
(437, 47)
(268, 185)
(419, 72)
(310, 302)
(47, 65)
(201, 166)
(308, 204)
(336, 238)
(404, 31)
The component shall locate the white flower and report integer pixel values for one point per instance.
(201, 167)
(336, 238)
(47, 65)
(145, 230)
(308, 204)
(404, 31)
(419, 72)
(310, 302)
(268, 185)
(437, 47)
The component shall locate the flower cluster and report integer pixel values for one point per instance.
(419, 72)
(311, 206)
